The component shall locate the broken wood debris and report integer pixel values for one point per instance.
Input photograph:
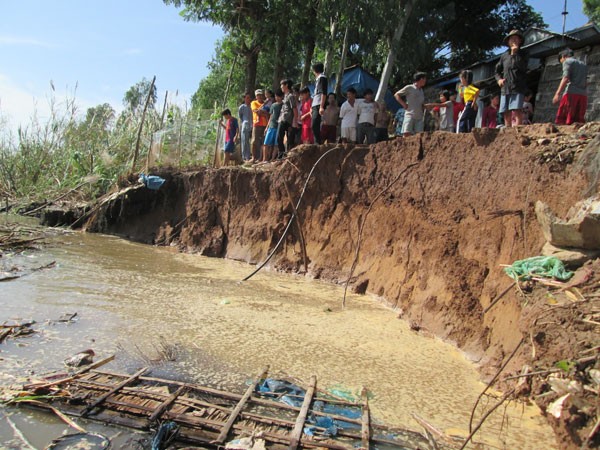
(210, 417)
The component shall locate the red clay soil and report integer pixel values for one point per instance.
(440, 212)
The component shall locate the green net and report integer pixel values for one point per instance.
(541, 266)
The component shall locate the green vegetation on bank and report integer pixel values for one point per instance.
(89, 152)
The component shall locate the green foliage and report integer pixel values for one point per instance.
(591, 8)
(136, 95)
(45, 159)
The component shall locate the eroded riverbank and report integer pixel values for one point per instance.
(128, 295)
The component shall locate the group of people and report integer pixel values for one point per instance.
(509, 107)
(274, 123)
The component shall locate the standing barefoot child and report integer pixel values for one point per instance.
(306, 116)
(231, 134)
(331, 116)
(469, 94)
(270, 150)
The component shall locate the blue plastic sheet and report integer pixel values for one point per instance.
(153, 182)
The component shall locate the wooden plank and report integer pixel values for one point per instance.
(168, 402)
(301, 419)
(121, 385)
(366, 421)
(234, 415)
(76, 375)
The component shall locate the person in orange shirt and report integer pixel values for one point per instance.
(260, 119)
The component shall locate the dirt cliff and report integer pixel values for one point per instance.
(426, 220)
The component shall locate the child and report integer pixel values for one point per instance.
(446, 111)
(231, 135)
(331, 116)
(382, 120)
(457, 108)
(306, 116)
(270, 150)
(469, 94)
(528, 109)
(348, 114)
(490, 113)
(399, 121)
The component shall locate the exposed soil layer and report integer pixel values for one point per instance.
(429, 220)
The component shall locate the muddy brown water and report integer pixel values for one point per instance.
(144, 303)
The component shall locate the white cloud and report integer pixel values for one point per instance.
(18, 40)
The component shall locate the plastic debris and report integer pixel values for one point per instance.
(153, 182)
(542, 266)
(166, 433)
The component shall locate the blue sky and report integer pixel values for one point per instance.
(94, 51)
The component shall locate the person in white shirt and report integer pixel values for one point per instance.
(349, 115)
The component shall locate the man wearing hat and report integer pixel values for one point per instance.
(573, 103)
(260, 119)
(511, 75)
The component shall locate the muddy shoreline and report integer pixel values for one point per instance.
(425, 223)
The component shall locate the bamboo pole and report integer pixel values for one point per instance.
(366, 421)
(301, 419)
(139, 135)
(234, 415)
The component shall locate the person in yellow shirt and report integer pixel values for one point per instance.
(260, 119)
(469, 94)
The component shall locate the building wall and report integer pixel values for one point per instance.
(545, 111)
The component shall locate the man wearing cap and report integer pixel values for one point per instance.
(260, 118)
(511, 75)
(573, 103)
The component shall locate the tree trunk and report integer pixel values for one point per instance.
(251, 56)
(280, 48)
(310, 43)
(340, 74)
(391, 58)
(310, 51)
(333, 23)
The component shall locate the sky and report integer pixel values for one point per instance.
(92, 51)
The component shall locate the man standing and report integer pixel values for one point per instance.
(287, 117)
(573, 103)
(245, 115)
(511, 75)
(319, 101)
(414, 104)
(260, 118)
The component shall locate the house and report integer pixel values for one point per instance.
(545, 71)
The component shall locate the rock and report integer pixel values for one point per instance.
(543, 141)
(580, 230)
(571, 257)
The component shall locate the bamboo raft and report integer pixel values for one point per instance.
(210, 417)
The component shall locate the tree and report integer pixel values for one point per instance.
(135, 97)
(591, 8)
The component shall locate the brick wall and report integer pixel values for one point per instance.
(545, 111)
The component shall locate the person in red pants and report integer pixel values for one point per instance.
(573, 103)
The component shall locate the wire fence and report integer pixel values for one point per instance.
(186, 142)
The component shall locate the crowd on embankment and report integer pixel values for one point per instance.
(272, 123)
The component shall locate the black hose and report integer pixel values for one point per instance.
(285, 231)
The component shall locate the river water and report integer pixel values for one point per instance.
(144, 303)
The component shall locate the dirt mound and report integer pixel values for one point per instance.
(425, 222)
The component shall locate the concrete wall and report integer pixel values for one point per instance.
(545, 111)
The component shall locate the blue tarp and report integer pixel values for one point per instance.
(360, 80)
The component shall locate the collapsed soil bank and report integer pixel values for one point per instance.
(441, 212)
